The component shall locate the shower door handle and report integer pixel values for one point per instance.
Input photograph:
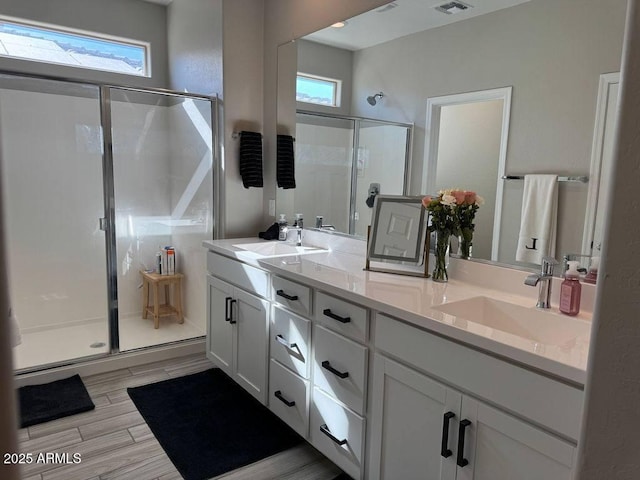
(103, 224)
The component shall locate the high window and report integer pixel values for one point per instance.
(318, 90)
(64, 46)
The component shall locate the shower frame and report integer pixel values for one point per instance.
(355, 142)
(107, 222)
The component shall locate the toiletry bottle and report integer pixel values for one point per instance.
(159, 261)
(570, 290)
(282, 227)
(592, 275)
(299, 221)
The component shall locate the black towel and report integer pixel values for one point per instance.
(285, 169)
(271, 233)
(251, 159)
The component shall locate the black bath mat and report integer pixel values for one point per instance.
(208, 425)
(50, 401)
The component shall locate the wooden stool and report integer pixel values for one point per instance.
(158, 310)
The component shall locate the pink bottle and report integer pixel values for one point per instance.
(570, 290)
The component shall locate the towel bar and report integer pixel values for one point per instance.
(581, 179)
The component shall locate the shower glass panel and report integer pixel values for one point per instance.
(381, 159)
(162, 168)
(324, 151)
(338, 159)
(51, 149)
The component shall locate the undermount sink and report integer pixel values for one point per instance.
(278, 249)
(540, 326)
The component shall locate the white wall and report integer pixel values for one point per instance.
(133, 19)
(468, 153)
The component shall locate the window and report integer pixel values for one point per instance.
(49, 44)
(318, 90)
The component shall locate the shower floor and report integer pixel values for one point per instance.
(60, 344)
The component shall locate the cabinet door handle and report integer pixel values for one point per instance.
(280, 339)
(281, 293)
(226, 309)
(444, 449)
(461, 461)
(324, 429)
(231, 303)
(328, 313)
(326, 365)
(288, 403)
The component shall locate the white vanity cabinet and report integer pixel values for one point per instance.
(238, 322)
(318, 370)
(424, 429)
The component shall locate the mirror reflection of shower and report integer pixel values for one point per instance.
(372, 99)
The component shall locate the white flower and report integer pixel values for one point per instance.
(479, 200)
(448, 200)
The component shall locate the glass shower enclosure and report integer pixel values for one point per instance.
(96, 179)
(339, 161)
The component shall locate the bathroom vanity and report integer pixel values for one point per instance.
(395, 377)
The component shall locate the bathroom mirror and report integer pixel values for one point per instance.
(397, 236)
(540, 48)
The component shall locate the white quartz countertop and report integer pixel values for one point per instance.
(412, 299)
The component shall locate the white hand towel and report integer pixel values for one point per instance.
(539, 218)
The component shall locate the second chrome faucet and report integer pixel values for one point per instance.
(543, 280)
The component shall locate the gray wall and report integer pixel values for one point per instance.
(194, 31)
(133, 19)
(552, 53)
(326, 61)
(284, 21)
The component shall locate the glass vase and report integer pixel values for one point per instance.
(441, 252)
(465, 243)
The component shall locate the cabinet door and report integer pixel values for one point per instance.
(251, 341)
(219, 329)
(408, 416)
(501, 447)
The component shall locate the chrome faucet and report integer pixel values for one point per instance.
(543, 279)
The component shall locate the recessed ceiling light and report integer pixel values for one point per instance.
(339, 24)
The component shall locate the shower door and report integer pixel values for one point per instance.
(162, 155)
(51, 148)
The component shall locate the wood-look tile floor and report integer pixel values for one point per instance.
(115, 443)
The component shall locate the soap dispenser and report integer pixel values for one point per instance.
(282, 227)
(571, 290)
(592, 274)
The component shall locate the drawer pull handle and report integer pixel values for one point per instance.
(281, 293)
(284, 342)
(288, 403)
(328, 313)
(444, 450)
(324, 429)
(231, 303)
(326, 365)
(461, 461)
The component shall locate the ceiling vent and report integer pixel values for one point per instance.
(453, 7)
(386, 8)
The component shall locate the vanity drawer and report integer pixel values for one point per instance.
(344, 317)
(289, 340)
(519, 390)
(340, 367)
(289, 397)
(292, 295)
(332, 424)
(245, 276)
